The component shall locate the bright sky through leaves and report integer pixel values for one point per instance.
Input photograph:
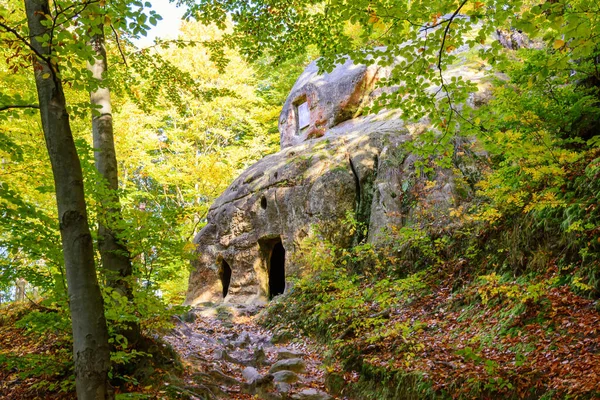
(168, 27)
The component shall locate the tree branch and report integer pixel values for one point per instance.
(446, 33)
(9, 106)
(26, 42)
(119, 44)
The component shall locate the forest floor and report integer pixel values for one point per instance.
(226, 354)
(543, 348)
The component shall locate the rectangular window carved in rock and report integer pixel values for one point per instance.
(303, 116)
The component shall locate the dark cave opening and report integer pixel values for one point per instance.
(263, 203)
(225, 276)
(277, 270)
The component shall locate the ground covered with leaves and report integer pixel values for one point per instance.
(36, 360)
(33, 366)
(227, 355)
(211, 352)
(421, 336)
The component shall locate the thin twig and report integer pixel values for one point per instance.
(26, 42)
(38, 305)
(119, 45)
(446, 33)
(9, 106)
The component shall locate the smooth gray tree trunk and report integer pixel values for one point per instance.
(115, 257)
(90, 336)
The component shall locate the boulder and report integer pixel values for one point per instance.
(286, 376)
(283, 354)
(311, 394)
(308, 191)
(278, 202)
(283, 387)
(250, 374)
(291, 364)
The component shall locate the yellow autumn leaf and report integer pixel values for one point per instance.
(45, 75)
(189, 247)
(559, 43)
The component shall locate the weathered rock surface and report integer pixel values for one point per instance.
(311, 394)
(212, 376)
(284, 354)
(285, 376)
(338, 166)
(250, 374)
(280, 200)
(330, 98)
(290, 364)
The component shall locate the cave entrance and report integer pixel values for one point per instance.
(277, 270)
(273, 262)
(225, 276)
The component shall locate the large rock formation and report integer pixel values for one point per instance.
(327, 100)
(333, 164)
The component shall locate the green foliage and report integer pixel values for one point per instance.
(336, 299)
(183, 132)
(493, 286)
(539, 129)
(38, 322)
(34, 365)
(39, 351)
(187, 126)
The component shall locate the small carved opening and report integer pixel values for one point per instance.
(277, 270)
(263, 203)
(225, 276)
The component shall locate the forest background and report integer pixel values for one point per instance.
(186, 123)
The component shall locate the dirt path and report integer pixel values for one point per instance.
(229, 356)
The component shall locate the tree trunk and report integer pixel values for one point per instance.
(20, 290)
(115, 257)
(90, 336)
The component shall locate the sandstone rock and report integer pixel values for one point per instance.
(292, 364)
(250, 374)
(276, 203)
(311, 394)
(221, 378)
(243, 340)
(257, 227)
(284, 354)
(283, 387)
(329, 99)
(260, 386)
(286, 376)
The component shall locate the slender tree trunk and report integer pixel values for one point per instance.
(20, 289)
(90, 336)
(115, 257)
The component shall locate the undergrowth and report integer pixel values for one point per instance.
(36, 355)
(491, 307)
